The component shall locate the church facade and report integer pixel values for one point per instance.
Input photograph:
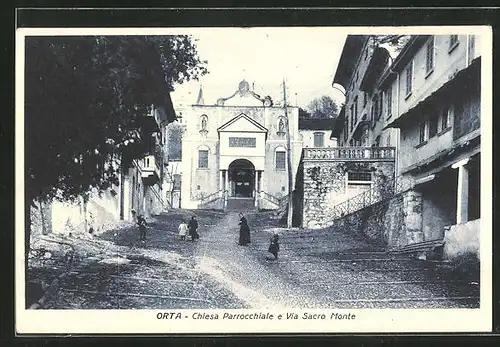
(234, 153)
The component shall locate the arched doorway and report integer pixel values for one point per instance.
(241, 175)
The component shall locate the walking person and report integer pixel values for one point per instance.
(193, 229)
(274, 247)
(244, 231)
(183, 230)
(141, 222)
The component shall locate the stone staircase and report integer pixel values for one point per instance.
(357, 272)
(240, 204)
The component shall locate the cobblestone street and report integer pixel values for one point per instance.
(315, 269)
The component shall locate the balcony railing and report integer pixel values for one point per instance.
(349, 153)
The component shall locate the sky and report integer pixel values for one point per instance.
(306, 58)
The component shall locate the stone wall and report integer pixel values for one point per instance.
(325, 185)
(462, 239)
(394, 222)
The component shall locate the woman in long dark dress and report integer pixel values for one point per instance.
(193, 229)
(244, 231)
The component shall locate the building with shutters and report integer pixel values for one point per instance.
(438, 113)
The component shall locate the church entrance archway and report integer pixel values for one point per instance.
(241, 174)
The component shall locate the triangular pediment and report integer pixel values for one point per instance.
(242, 123)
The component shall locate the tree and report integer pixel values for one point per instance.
(83, 95)
(303, 113)
(396, 42)
(174, 141)
(323, 107)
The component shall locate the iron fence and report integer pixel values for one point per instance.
(372, 196)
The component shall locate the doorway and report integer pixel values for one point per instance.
(241, 174)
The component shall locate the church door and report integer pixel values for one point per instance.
(242, 178)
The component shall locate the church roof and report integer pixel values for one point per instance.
(199, 100)
(316, 123)
(256, 125)
(243, 90)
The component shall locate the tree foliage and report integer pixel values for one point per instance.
(83, 95)
(174, 141)
(304, 113)
(396, 42)
(323, 107)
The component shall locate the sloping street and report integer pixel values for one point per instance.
(315, 269)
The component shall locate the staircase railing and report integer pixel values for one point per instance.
(211, 198)
(166, 205)
(270, 197)
(372, 196)
(283, 203)
(220, 194)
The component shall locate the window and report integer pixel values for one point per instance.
(377, 141)
(355, 110)
(429, 56)
(365, 99)
(453, 42)
(423, 132)
(177, 181)
(359, 176)
(409, 78)
(375, 107)
(389, 102)
(388, 140)
(280, 160)
(433, 125)
(203, 158)
(346, 128)
(380, 107)
(352, 118)
(446, 118)
(358, 182)
(319, 139)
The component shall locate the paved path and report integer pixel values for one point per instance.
(316, 269)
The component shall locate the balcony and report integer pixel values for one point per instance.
(150, 172)
(349, 153)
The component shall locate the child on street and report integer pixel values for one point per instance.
(183, 230)
(141, 222)
(274, 247)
